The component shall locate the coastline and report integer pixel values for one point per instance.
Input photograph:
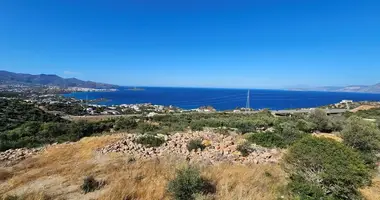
(224, 99)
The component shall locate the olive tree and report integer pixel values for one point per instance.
(363, 136)
(321, 168)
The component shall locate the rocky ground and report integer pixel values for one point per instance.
(12, 156)
(219, 148)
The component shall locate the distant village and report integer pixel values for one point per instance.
(50, 99)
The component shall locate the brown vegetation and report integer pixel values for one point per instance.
(372, 192)
(329, 135)
(364, 107)
(94, 118)
(59, 172)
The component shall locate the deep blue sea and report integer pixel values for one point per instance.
(224, 99)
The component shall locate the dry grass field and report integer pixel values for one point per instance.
(372, 192)
(58, 173)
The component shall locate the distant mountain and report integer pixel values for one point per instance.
(352, 88)
(49, 80)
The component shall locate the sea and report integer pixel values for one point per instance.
(224, 99)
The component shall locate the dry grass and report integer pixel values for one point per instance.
(68, 162)
(329, 135)
(60, 170)
(148, 180)
(372, 192)
(94, 118)
(31, 196)
(5, 174)
(364, 107)
(246, 182)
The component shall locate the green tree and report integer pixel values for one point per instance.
(322, 168)
(320, 119)
(124, 123)
(363, 136)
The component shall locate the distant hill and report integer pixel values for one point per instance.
(352, 88)
(49, 80)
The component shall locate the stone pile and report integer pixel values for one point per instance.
(219, 148)
(12, 156)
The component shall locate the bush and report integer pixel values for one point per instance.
(336, 124)
(320, 119)
(125, 124)
(305, 126)
(188, 183)
(245, 127)
(363, 136)
(90, 184)
(147, 127)
(245, 149)
(289, 133)
(196, 126)
(267, 139)
(195, 145)
(150, 140)
(322, 168)
(285, 134)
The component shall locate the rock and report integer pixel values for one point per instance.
(220, 148)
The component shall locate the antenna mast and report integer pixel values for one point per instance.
(247, 106)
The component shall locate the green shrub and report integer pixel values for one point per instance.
(147, 127)
(335, 124)
(195, 145)
(124, 123)
(305, 126)
(188, 184)
(322, 168)
(150, 140)
(197, 126)
(289, 133)
(245, 127)
(90, 184)
(363, 136)
(320, 119)
(267, 139)
(245, 149)
(286, 133)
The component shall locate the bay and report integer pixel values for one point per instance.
(224, 99)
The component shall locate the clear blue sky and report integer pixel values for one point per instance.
(256, 43)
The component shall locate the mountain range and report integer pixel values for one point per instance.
(49, 80)
(352, 88)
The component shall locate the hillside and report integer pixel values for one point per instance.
(216, 156)
(48, 80)
(352, 88)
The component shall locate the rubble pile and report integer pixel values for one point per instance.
(219, 148)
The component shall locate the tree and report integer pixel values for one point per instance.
(125, 123)
(321, 168)
(320, 118)
(363, 136)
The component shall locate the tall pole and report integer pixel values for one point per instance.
(247, 104)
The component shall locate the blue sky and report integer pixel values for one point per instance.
(198, 43)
